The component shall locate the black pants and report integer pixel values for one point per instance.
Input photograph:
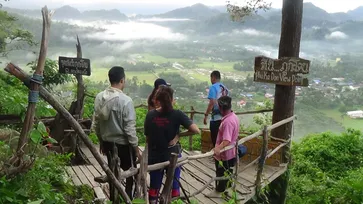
(214, 127)
(125, 153)
(227, 166)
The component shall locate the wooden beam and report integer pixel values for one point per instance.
(261, 162)
(165, 197)
(20, 74)
(292, 12)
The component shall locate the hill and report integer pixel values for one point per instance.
(196, 11)
(68, 12)
(357, 13)
(113, 14)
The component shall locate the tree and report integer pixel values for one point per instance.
(51, 74)
(248, 8)
(11, 36)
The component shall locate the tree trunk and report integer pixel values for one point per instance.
(35, 84)
(292, 11)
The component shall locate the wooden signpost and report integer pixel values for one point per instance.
(76, 66)
(286, 71)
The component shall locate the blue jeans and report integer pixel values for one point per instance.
(156, 178)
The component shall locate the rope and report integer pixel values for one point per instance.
(37, 78)
(34, 95)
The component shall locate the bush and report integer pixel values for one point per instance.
(46, 183)
(327, 168)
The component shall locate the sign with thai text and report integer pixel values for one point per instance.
(77, 66)
(288, 71)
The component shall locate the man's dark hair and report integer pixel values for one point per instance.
(115, 74)
(216, 74)
(225, 103)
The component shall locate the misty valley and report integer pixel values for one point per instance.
(183, 46)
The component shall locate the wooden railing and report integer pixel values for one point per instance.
(193, 112)
(264, 155)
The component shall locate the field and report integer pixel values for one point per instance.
(199, 73)
(345, 121)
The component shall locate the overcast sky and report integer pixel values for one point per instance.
(328, 5)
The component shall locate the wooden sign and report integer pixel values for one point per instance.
(286, 71)
(78, 66)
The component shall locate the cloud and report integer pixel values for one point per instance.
(68, 38)
(249, 32)
(338, 35)
(55, 56)
(115, 47)
(131, 30)
(30, 56)
(154, 19)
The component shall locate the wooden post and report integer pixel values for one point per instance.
(20, 74)
(191, 136)
(80, 85)
(165, 197)
(35, 84)
(292, 11)
(77, 109)
(141, 187)
(261, 161)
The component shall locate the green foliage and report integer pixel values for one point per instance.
(11, 36)
(39, 134)
(45, 183)
(50, 74)
(326, 169)
(14, 98)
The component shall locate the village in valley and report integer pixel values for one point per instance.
(293, 74)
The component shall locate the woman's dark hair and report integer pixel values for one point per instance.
(164, 95)
(225, 103)
(150, 100)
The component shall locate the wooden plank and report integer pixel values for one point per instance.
(242, 189)
(89, 176)
(193, 186)
(202, 179)
(74, 176)
(99, 193)
(81, 175)
(93, 170)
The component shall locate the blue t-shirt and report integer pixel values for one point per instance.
(215, 92)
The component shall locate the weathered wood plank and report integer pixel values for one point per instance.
(73, 176)
(81, 175)
(93, 170)
(193, 185)
(89, 176)
(99, 193)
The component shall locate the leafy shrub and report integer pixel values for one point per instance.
(327, 168)
(45, 183)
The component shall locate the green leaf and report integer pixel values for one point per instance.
(36, 202)
(138, 201)
(51, 140)
(42, 129)
(35, 136)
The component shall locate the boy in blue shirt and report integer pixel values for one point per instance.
(215, 92)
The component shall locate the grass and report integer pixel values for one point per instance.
(346, 121)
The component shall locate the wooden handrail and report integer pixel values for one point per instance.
(181, 161)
